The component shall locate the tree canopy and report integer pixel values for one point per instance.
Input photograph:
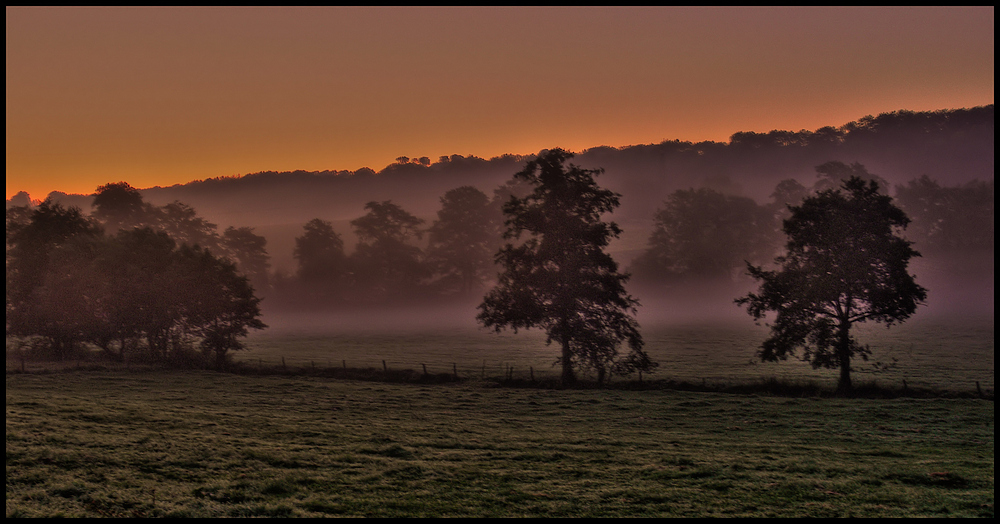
(385, 263)
(69, 284)
(703, 233)
(463, 239)
(846, 263)
(558, 276)
(320, 253)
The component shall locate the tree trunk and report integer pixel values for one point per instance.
(844, 356)
(568, 377)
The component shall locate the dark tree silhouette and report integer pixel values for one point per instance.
(386, 221)
(150, 281)
(702, 233)
(61, 308)
(845, 264)
(559, 278)
(137, 297)
(217, 303)
(30, 252)
(385, 264)
(120, 206)
(248, 251)
(949, 220)
(183, 224)
(320, 254)
(69, 284)
(17, 218)
(462, 241)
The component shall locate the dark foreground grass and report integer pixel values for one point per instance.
(99, 443)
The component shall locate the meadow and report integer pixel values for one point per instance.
(95, 440)
(939, 353)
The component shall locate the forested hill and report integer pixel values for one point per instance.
(950, 146)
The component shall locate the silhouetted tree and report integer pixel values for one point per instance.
(70, 284)
(788, 192)
(702, 233)
(135, 297)
(949, 220)
(218, 305)
(32, 310)
(249, 252)
(21, 199)
(320, 254)
(385, 264)
(120, 206)
(559, 278)
(183, 224)
(845, 264)
(149, 282)
(463, 239)
(17, 217)
(61, 308)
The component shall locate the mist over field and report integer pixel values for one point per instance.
(399, 260)
(563, 261)
(951, 149)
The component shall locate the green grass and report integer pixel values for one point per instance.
(942, 354)
(190, 444)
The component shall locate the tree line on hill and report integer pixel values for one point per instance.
(161, 281)
(951, 146)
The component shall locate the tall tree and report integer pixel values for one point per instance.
(320, 254)
(248, 251)
(559, 278)
(32, 246)
(846, 264)
(386, 264)
(462, 241)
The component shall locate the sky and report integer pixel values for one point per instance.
(162, 96)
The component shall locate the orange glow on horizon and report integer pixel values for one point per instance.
(163, 96)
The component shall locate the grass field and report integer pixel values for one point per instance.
(92, 440)
(945, 354)
(114, 443)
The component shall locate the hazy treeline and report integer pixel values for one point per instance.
(699, 235)
(951, 146)
(399, 258)
(706, 234)
(139, 282)
(420, 231)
